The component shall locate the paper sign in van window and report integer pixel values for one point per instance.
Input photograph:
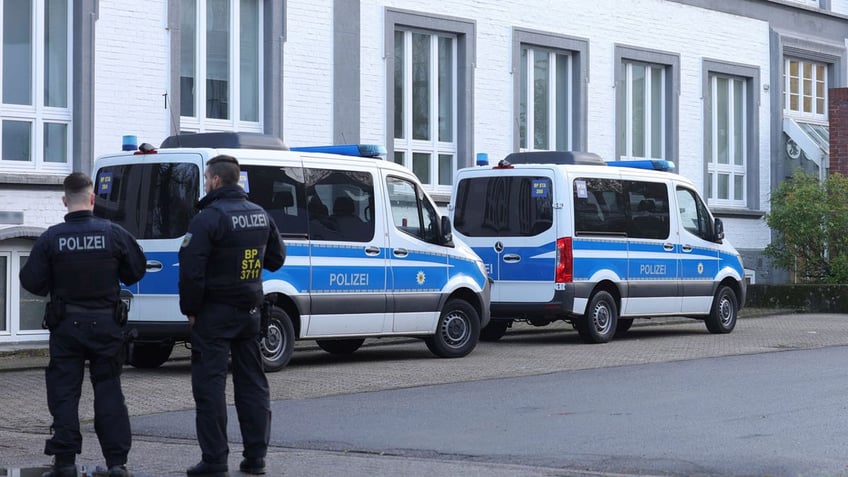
(580, 188)
(540, 188)
(243, 182)
(104, 183)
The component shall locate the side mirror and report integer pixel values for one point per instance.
(718, 231)
(446, 231)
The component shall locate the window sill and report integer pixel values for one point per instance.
(33, 179)
(737, 213)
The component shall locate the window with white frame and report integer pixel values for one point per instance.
(221, 66)
(21, 312)
(644, 110)
(546, 99)
(805, 89)
(425, 105)
(727, 141)
(35, 108)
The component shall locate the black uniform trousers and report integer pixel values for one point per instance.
(97, 338)
(218, 332)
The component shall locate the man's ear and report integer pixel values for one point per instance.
(91, 199)
(64, 201)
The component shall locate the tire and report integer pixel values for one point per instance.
(346, 346)
(597, 325)
(494, 330)
(722, 318)
(457, 332)
(622, 326)
(149, 355)
(278, 344)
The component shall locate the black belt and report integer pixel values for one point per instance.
(91, 311)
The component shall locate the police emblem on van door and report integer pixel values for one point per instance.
(420, 277)
(499, 246)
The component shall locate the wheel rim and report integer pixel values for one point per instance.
(601, 318)
(455, 330)
(272, 344)
(725, 311)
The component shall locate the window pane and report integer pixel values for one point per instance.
(637, 125)
(55, 143)
(249, 82)
(723, 186)
(17, 53)
(420, 86)
(17, 141)
(217, 59)
(445, 89)
(739, 122)
(4, 294)
(445, 169)
(421, 166)
(710, 191)
(541, 99)
(56, 53)
(721, 119)
(349, 196)
(657, 116)
(563, 99)
(188, 51)
(400, 60)
(738, 187)
(399, 157)
(522, 100)
(281, 192)
(32, 306)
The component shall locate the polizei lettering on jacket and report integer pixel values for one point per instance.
(249, 221)
(77, 243)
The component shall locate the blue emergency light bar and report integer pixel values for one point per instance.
(358, 150)
(650, 164)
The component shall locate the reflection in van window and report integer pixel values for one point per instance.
(505, 206)
(599, 207)
(647, 209)
(340, 205)
(151, 201)
(693, 213)
(281, 192)
(411, 212)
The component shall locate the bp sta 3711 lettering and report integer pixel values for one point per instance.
(251, 265)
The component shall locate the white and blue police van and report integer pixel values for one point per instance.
(368, 254)
(567, 236)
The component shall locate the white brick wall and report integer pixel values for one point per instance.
(40, 208)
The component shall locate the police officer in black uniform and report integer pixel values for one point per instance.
(221, 260)
(79, 263)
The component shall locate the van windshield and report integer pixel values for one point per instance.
(151, 201)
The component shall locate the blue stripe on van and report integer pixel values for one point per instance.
(594, 255)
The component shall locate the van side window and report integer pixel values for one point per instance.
(281, 192)
(647, 209)
(510, 206)
(694, 215)
(411, 212)
(599, 207)
(151, 201)
(340, 205)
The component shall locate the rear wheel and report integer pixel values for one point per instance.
(722, 318)
(597, 325)
(278, 344)
(457, 332)
(347, 346)
(494, 330)
(149, 355)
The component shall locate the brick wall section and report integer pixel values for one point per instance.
(838, 112)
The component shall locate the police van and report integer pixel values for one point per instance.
(567, 236)
(368, 254)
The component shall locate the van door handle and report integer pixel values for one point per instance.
(154, 265)
(401, 252)
(668, 247)
(373, 251)
(511, 258)
(686, 248)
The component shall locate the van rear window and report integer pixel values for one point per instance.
(510, 206)
(151, 201)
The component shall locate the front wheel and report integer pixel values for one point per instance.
(278, 344)
(149, 355)
(494, 330)
(457, 332)
(722, 317)
(597, 325)
(346, 346)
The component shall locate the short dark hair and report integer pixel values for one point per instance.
(77, 182)
(226, 167)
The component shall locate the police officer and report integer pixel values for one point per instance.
(79, 263)
(221, 260)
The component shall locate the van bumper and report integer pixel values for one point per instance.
(561, 305)
(157, 330)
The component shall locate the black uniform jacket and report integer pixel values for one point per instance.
(227, 245)
(81, 260)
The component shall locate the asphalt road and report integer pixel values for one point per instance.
(668, 400)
